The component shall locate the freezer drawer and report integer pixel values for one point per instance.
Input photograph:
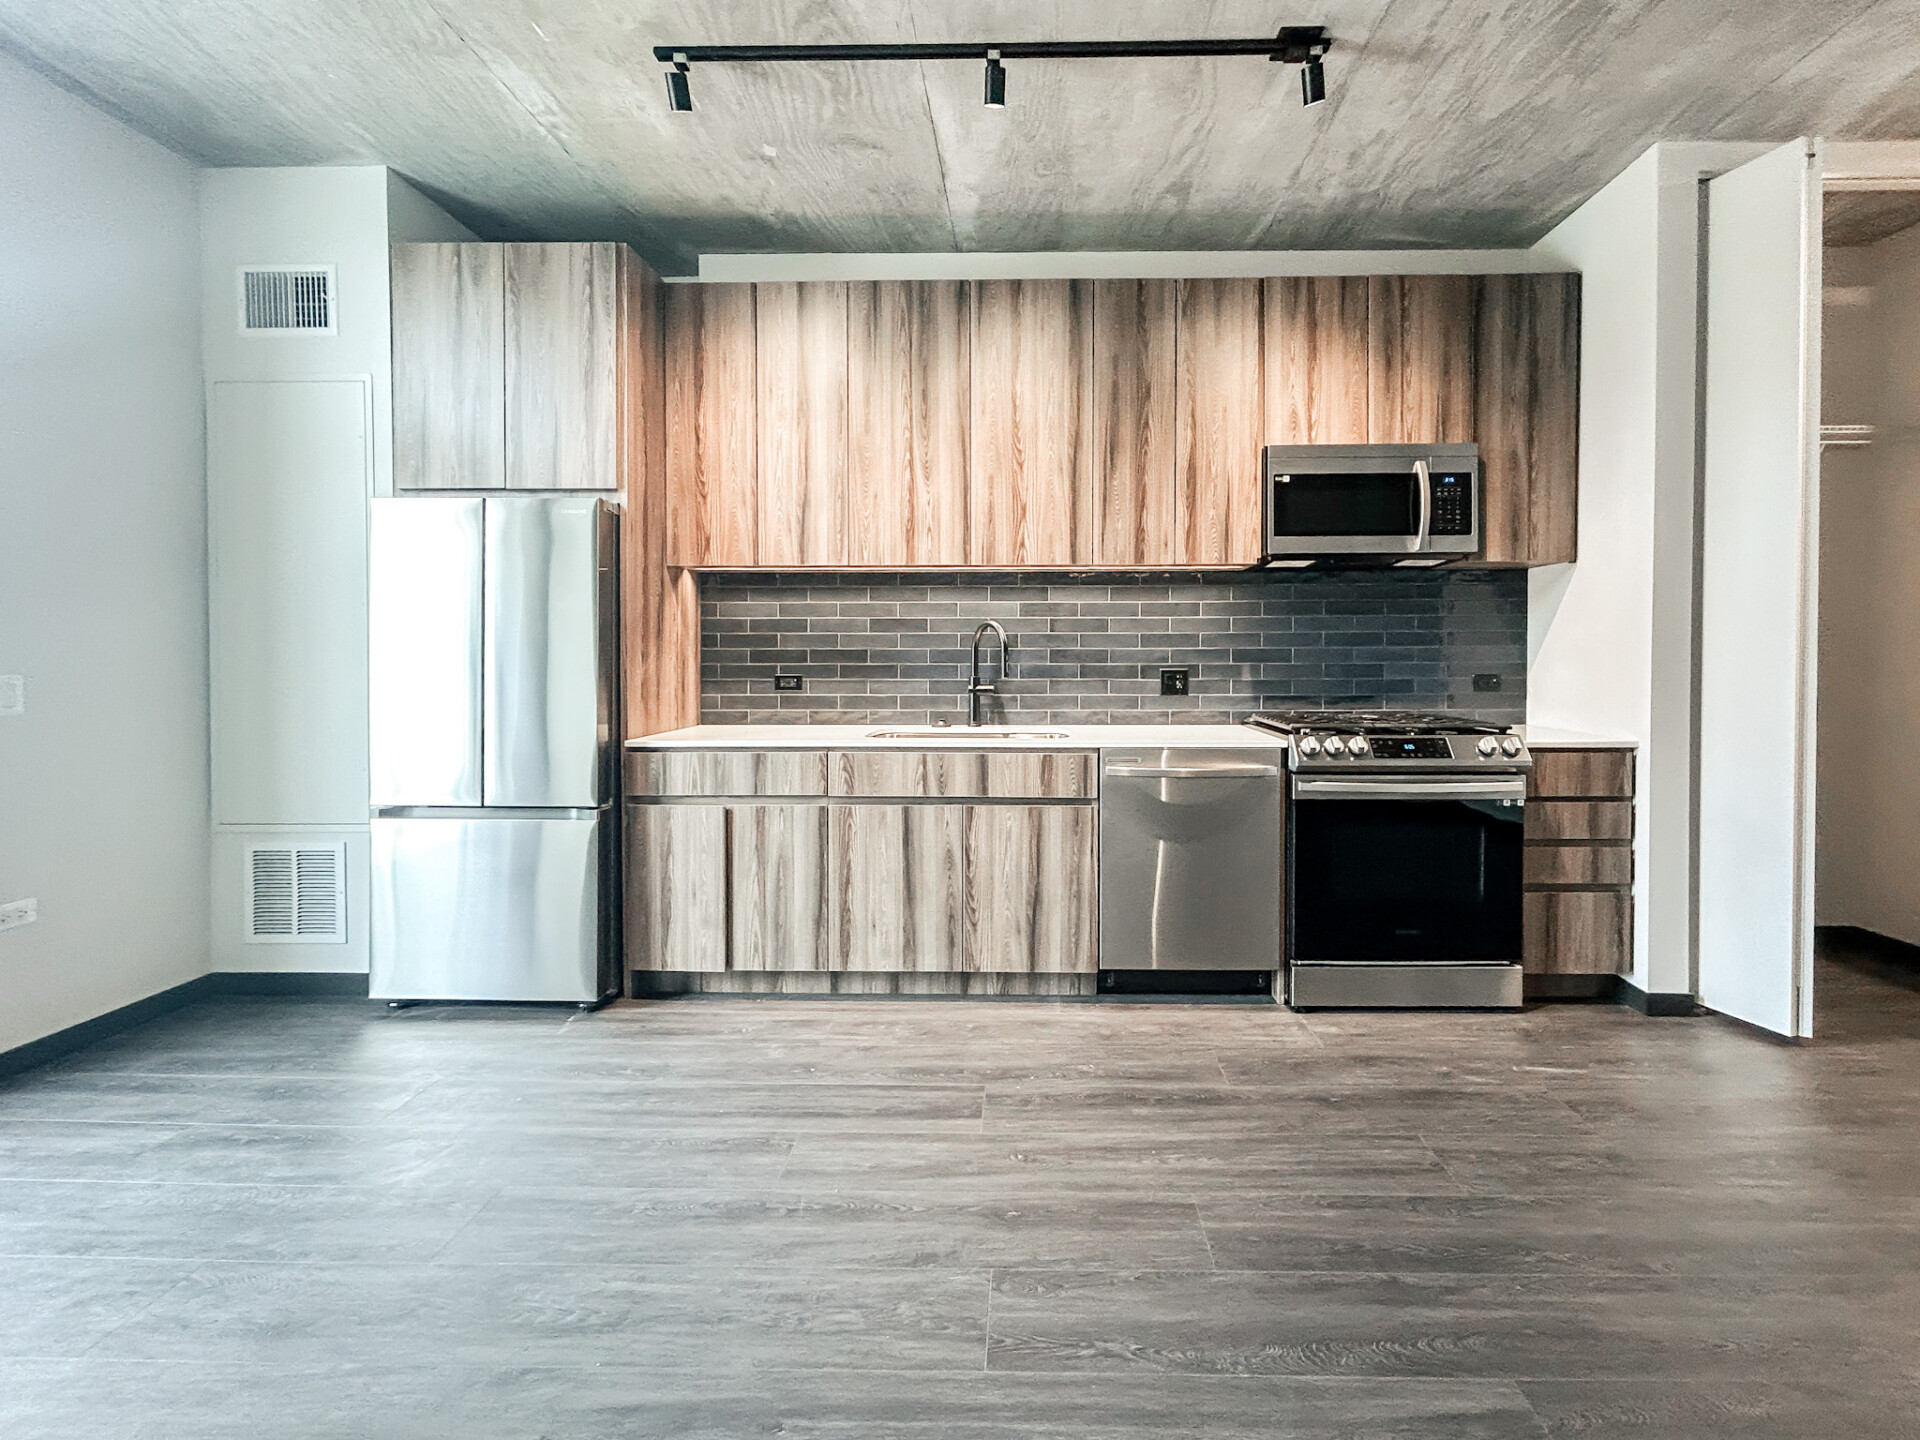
(1190, 860)
(494, 908)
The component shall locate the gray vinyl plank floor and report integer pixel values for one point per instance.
(865, 1219)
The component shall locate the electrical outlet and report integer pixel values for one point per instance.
(789, 682)
(1486, 682)
(20, 912)
(1173, 682)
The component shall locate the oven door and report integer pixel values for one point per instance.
(1405, 870)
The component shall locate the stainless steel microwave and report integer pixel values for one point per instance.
(1383, 502)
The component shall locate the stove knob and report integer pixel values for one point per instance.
(1488, 745)
(1509, 747)
(1357, 746)
(1309, 745)
(1336, 746)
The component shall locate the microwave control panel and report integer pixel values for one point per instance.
(1452, 504)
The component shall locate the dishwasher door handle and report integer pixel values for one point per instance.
(1192, 772)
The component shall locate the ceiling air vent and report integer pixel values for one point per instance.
(286, 300)
(297, 894)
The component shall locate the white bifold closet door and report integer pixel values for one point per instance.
(1759, 527)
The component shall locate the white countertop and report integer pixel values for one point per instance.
(1547, 737)
(959, 737)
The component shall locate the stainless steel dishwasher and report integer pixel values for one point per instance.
(1190, 859)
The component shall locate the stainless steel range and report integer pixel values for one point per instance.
(1403, 858)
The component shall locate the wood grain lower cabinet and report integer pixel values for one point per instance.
(1577, 877)
(676, 858)
(897, 886)
(1030, 888)
(777, 887)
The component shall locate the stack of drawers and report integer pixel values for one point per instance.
(1578, 874)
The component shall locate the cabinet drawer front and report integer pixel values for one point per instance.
(963, 774)
(908, 774)
(1588, 774)
(1030, 888)
(1579, 820)
(1577, 932)
(1577, 865)
(726, 772)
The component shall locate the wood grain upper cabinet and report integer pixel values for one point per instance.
(1136, 520)
(712, 434)
(909, 371)
(449, 367)
(1314, 336)
(562, 312)
(1527, 399)
(801, 367)
(1421, 332)
(1030, 466)
(1221, 425)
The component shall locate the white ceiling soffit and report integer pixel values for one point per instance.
(1449, 124)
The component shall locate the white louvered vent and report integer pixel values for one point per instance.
(297, 895)
(286, 300)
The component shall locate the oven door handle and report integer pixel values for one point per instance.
(1513, 789)
(1425, 477)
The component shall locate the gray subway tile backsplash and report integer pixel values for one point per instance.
(880, 649)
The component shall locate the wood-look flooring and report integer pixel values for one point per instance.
(865, 1219)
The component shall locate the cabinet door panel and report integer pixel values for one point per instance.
(1314, 343)
(1030, 888)
(1134, 450)
(1527, 403)
(676, 887)
(562, 367)
(778, 887)
(726, 772)
(1581, 774)
(908, 773)
(909, 371)
(800, 339)
(1577, 865)
(711, 425)
(1029, 490)
(449, 367)
(1579, 819)
(1221, 422)
(1420, 359)
(896, 886)
(1039, 774)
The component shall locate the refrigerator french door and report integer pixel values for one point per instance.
(493, 644)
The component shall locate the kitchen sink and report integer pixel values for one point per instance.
(958, 732)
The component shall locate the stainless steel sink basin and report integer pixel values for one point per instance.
(961, 732)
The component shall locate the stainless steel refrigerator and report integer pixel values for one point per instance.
(494, 642)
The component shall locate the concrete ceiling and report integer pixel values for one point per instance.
(1450, 123)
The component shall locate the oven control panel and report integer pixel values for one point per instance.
(1320, 752)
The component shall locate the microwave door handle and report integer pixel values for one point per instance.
(1425, 478)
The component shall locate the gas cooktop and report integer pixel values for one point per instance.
(1397, 741)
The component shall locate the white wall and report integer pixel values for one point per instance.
(1610, 637)
(103, 782)
(1868, 790)
(345, 217)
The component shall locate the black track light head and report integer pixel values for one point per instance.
(996, 98)
(1313, 83)
(679, 92)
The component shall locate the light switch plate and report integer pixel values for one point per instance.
(20, 912)
(13, 695)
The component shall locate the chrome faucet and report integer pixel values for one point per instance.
(975, 686)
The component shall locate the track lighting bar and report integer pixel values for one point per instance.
(1301, 45)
